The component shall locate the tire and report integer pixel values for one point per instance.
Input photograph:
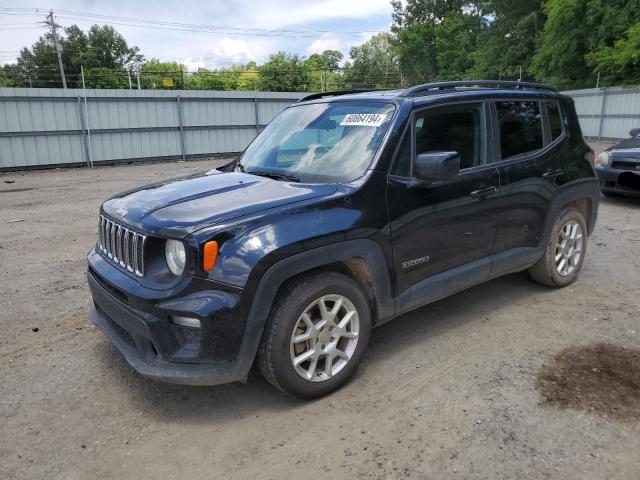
(278, 350)
(552, 273)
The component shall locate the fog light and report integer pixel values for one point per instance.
(185, 321)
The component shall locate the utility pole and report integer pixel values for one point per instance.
(52, 23)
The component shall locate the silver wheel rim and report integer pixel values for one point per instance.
(324, 338)
(568, 248)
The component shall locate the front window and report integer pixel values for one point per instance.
(322, 142)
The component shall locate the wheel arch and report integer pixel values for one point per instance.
(362, 260)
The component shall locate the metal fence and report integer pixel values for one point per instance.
(51, 127)
(607, 113)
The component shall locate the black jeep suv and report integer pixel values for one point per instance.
(348, 210)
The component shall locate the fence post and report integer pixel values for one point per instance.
(83, 132)
(602, 110)
(255, 108)
(181, 128)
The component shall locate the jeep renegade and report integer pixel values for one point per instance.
(347, 210)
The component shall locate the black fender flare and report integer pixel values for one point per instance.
(277, 274)
(588, 188)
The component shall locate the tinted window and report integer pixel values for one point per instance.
(457, 128)
(555, 123)
(453, 128)
(520, 127)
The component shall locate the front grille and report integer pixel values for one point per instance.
(122, 246)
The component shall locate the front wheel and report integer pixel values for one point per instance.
(316, 335)
(565, 252)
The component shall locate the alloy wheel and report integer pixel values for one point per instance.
(568, 248)
(324, 338)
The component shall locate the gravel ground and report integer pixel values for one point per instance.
(447, 391)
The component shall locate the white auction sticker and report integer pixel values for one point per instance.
(363, 120)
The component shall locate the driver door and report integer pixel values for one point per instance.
(443, 232)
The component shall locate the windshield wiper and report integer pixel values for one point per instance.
(274, 175)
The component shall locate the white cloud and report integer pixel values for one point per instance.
(192, 64)
(287, 12)
(327, 42)
(226, 51)
(229, 43)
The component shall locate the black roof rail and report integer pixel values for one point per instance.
(437, 87)
(315, 96)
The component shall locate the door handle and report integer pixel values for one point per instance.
(553, 173)
(483, 192)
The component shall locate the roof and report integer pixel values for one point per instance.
(436, 88)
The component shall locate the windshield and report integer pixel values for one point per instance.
(321, 142)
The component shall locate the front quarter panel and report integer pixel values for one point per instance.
(251, 245)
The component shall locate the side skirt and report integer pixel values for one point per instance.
(465, 276)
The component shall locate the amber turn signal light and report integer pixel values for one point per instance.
(210, 255)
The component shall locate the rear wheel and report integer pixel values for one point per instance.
(564, 255)
(316, 335)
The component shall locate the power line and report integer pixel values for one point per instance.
(180, 26)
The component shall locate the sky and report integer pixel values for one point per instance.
(237, 31)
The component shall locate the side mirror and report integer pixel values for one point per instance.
(435, 166)
(634, 132)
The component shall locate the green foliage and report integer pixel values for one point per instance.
(581, 37)
(324, 71)
(103, 52)
(102, 77)
(619, 63)
(154, 74)
(509, 41)
(566, 43)
(284, 73)
(372, 64)
(434, 39)
(108, 49)
(4, 78)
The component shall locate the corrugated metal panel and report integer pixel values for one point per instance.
(607, 113)
(48, 126)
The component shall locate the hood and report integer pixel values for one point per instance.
(182, 206)
(629, 145)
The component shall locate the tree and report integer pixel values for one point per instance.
(4, 78)
(284, 73)
(509, 40)
(619, 63)
(157, 74)
(324, 70)
(103, 52)
(579, 36)
(434, 39)
(107, 48)
(372, 64)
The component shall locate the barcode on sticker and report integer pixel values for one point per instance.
(363, 120)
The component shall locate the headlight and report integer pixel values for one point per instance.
(176, 256)
(602, 159)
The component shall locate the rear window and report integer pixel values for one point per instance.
(520, 127)
(555, 121)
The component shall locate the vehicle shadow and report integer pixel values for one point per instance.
(234, 401)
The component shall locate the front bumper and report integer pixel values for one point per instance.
(139, 326)
(613, 180)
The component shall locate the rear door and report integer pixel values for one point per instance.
(530, 159)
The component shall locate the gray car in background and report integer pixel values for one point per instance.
(618, 167)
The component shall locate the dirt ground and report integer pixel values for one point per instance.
(448, 391)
